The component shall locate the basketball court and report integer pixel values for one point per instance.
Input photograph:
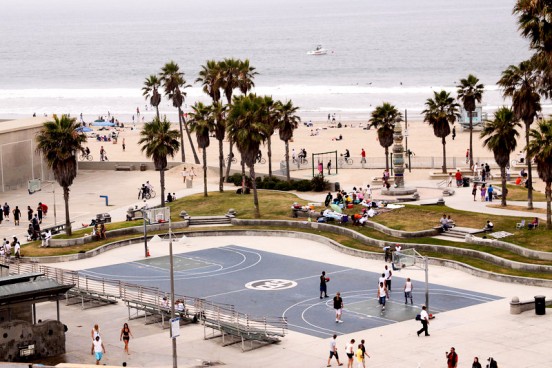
(262, 283)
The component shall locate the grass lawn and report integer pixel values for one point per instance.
(276, 205)
(519, 193)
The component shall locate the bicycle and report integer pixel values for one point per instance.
(343, 160)
(228, 159)
(302, 161)
(84, 157)
(261, 161)
(141, 195)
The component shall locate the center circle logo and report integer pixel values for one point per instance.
(271, 284)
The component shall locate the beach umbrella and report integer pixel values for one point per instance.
(336, 208)
(83, 129)
(103, 123)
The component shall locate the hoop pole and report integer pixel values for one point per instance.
(426, 268)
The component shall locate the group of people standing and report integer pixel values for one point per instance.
(352, 350)
(485, 192)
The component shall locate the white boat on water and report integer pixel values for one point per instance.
(318, 51)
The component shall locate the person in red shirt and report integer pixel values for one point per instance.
(363, 156)
(458, 177)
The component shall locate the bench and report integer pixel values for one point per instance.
(55, 229)
(160, 313)
(124, 167)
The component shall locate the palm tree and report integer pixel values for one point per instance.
(383, 119)
(535, 25)
(269, 118)
(211, 77)
(236, 74)
(501, 134)
(151, 91)
(521, 83)
(540, 148)
(159, 141)
(440, 113)
(174, 85)
(59, 143)
(245, 128)
(288, 121)
(470, 92)
(202, 122)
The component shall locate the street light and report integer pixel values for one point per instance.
(143, 210)
(173, 337)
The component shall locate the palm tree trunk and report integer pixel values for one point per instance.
(287, 161)
(157, 111)
(254, 186)
(548, 193)
(471, 140)
(243, 175)
(229, 159)
(386, 158)
(529, 169)
(444, 142)
(221, 165)
(204, 172)
(162, 182)
(504, 188)
(196, 158)
(269, 154)
(68, 230)
(181, 135)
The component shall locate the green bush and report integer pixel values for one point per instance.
(302, 185)
(282, 185)
(236, 179)
(318, 184)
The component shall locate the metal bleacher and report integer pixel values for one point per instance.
(151, 304)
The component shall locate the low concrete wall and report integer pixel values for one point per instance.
(529, 253)
(111, 165)
(400, 233)
(381, 243)
(61, 243)
(518, 307)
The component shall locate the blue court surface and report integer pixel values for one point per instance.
(262, 283)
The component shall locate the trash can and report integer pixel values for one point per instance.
(540, 305)
(337, 186)
(466, 182)
(142, 167)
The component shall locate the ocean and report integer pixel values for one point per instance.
(91, 57)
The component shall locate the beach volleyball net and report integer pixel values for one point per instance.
(320, 162)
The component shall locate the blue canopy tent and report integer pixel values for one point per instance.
(103, 123)
(82, 129)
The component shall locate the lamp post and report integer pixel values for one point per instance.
(143, 210)
(175, 360)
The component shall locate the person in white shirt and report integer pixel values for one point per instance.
(350, 351)
(424, 318)
(46, 239)
(97, 349)
(16, 248)
(382, 295)
(408, 291)
(333, 351)
(388, 275)
(184, 175)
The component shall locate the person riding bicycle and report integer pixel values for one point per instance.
(143, 191)
(259, 156)
(149, 187)
(346, 154)
(87, 151)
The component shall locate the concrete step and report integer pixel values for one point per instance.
(209, 220)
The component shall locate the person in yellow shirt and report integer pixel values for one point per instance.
(360, 356)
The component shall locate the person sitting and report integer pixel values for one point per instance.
(169, 197)
(30, 232)
(489, 226)
(518, 180)
(46, 239)
(102, 231)
(450, 221)
(534, 224)
(444, 223)
(96, 231)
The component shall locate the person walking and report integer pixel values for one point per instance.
(320, 168)
(490, 191)
(363, 156)
(6, 209)
(360, 356)
(453, 132)
(476, 363)
(125, 336)
(458, 177)
(329, 166)
(350, 351)
(382, 295)
(98, 349)
(424, 318)
(29, 213)
(338, 306)
(39, 212)
(408, 291)
(16, 215)
(474, 191)
(102, 153)
(333, 351)
(95, 332)
(124, 145)
(483, 193)
(388, 275)
(468, 156)
(323, 286)
(364, 353)
(452, 358)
